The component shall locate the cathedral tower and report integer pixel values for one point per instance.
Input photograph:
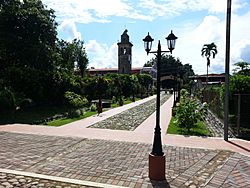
(124, 54)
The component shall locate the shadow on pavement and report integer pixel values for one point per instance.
(239, 146)
(159, 184)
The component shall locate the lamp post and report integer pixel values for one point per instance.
(227, 65)
(157, 157)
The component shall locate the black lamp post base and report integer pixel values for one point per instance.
(157, 166)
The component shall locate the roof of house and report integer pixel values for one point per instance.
(209, 75)
(103, 69)
(112, 69)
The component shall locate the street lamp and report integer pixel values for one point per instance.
(157, 157)
(227, 67)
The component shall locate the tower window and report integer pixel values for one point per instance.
(124, 50)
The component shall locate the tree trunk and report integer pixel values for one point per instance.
(208, 64)
(99, 109)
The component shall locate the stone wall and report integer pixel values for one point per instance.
(216, 126)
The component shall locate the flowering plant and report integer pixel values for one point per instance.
(189, 111)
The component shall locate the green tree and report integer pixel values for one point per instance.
(239, 84)
(102, 85)
(90, 88)
(7, 102)
(27, 34)
(81, 57)
(134, 85)
(209, 50)
(146, 82)
(242, 68)
(72, 55)
(117, 86)
(66, 57)
(27, 47)
(173, 66)
(149, 64)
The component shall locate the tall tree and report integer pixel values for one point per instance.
(81, 57)
(72, 55)
(209, 50)
(27, 34)
(27, 46)
(242, 68)
(173, 66)
(102, 85)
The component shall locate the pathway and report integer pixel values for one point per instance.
(142, 134)
(76, 156)
(103, 163)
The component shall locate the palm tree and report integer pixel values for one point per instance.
(208, 50)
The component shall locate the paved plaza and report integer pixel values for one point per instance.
(77, 156)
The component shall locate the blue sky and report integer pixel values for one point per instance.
(100, 23)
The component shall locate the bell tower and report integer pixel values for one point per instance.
(124, 54)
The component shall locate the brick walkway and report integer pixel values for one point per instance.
(120, 163)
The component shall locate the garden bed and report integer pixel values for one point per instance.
(200, 129)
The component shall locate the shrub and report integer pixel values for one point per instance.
(74, 100)
(189, 111)
(25, 103)
(114, 100)
(7, 101)
(239, 84)
(82, 111)
(93, 107)
(121, 101)
(75, 113)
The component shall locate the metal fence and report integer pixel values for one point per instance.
(241, 115)
(239, 111)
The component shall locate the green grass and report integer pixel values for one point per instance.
(64, 121)
(199, 130)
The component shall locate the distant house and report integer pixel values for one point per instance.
(102, 71)
(212, 78)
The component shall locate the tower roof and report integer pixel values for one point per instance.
(125, 38)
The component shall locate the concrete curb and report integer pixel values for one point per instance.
(59, 179)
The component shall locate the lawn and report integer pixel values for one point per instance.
(199, 130)
(64, 121)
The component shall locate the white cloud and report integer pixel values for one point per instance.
(169, 8)
(69, 28)
(102, 55)
(85, 11)
(245, 53)
(213, 29)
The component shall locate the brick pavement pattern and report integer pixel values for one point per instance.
(121, 163)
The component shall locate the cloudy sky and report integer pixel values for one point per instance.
(100, 24)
